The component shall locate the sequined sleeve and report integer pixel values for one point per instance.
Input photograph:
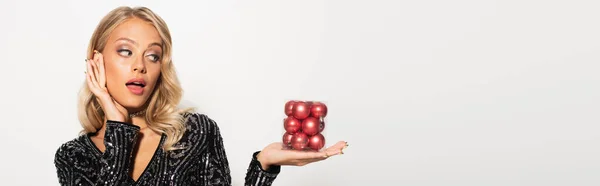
(257, 176)
(119, 140)
(218, 165)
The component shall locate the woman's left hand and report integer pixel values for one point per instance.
(276, 154)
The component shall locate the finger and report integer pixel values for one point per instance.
(337, 148)
(314, 160)
(89, 78)
(338, 145)
(334, 152)
(96, 70)
(102, 76)
(331, 151)
(92, 72)
(306, 155)
(309, 161)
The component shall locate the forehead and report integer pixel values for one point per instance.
(136, 29)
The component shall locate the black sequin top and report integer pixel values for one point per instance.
(202, 162)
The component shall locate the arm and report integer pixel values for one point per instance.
(64, 170)
(217, 165)
(257, 176)
(119, 140)
(115, 162)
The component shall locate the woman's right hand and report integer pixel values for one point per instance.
(96, 81)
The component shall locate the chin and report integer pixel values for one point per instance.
(132, 103)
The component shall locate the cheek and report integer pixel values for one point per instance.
(154, 73)
(114, 74)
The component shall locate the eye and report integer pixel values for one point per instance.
(153, 57)
(124, 52)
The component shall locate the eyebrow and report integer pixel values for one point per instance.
(135, 43)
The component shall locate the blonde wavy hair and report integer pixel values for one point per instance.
(162, 113)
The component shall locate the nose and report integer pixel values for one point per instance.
(139, 65)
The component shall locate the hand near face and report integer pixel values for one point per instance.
(96, 81)
(275, 154)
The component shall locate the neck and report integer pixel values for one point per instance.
(137, 113)
(139, 121)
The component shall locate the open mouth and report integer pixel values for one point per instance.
(136, 86)
(135, 83)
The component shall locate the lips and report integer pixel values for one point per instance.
(136, 85)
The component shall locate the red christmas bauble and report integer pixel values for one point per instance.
(291, 124)
(309, 103)
(310, 126)
(321, 126)
(299, 141)
(287, 139)
(300, 110)
(288, 107)
(318, 110)
(316, 142)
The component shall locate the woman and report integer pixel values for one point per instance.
(134, 134)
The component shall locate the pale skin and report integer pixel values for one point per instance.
(133, 50)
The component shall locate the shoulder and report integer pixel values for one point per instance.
(198, 122)
(200, 128)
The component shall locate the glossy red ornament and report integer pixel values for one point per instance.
(316, 142)
(318, 110)
(287, 139)
(300, 110)
(310, 126)
(321, 126)
(309, 103)
(299, 141)
(288, 107)
(291, 124)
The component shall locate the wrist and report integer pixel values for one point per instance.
(115, 117)
(263, 162)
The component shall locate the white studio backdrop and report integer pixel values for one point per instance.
(427, 93)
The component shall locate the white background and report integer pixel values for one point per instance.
(433, 92)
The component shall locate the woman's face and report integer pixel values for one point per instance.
(132, 60)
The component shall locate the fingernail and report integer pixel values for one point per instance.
(95, 52)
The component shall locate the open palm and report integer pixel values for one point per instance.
(276, 154)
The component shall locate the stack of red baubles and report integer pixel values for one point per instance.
(304, 125)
